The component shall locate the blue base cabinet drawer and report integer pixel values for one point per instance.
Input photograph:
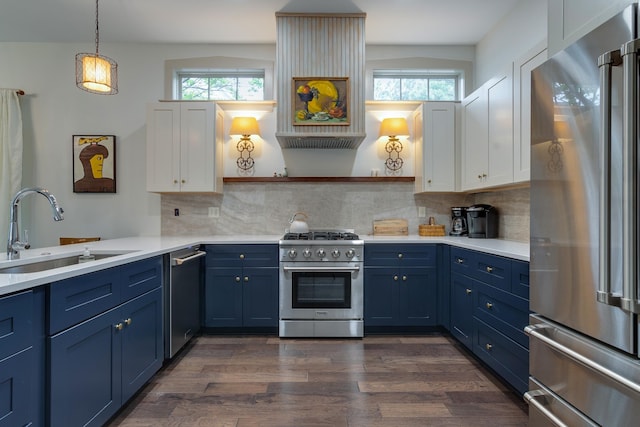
(16, 329)
(505, 312)
(503, 355)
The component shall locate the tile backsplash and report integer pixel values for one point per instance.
(259, 208)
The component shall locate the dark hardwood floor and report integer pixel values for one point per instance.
(398, 381)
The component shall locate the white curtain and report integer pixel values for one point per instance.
(10, 155)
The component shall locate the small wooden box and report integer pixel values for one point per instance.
(431, 230)
(391, 227)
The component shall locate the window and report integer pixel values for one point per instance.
(223, 85)
(396, 85)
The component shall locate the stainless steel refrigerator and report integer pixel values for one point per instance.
(585, 232)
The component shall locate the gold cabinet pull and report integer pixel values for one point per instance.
(489, 305)
(460, 261)
(489, 269)
(246, 278)
(399, 255)
(488, 346)
(395, 278)
(241, 256)
(237, 278)
(127, 321)
(118, 326)
(468, 291)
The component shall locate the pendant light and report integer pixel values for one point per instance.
(96, 73)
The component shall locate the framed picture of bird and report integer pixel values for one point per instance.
(94, 163)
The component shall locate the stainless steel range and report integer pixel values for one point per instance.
(321, 284)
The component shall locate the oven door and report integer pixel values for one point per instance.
(313, 291)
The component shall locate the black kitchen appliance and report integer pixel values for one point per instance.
(459, 222)
(482, 221)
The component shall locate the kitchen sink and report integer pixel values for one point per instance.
(50, 264)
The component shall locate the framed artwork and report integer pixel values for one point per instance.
(320, 101)
(94, 163)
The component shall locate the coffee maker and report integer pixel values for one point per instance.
(459, 222)
(482, 221)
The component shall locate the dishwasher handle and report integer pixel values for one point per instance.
(178, 261)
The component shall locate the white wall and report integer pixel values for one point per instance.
(522, 29)
(54, 110)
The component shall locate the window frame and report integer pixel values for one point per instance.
(416, 74)
(221, 73)
(174, 67)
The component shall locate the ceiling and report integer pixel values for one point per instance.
(421, 22)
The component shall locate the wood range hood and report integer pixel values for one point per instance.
(320, 46)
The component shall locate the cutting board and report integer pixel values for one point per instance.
(390, 227)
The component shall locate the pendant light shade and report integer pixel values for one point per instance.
(96, 73)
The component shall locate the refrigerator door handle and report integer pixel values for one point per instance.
(629, 301)
(536, 398)
(540, 332)
(606, 62)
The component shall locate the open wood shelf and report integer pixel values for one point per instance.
(247, 179)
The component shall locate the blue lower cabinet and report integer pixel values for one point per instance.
(461, 323)
(15, 389)
(260, 297)
(400, 297)
(22, 359)
(97, 365)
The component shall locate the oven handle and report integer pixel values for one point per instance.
(321, 268)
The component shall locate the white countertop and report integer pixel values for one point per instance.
(137, 248)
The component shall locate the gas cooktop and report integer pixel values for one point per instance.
(322, 235)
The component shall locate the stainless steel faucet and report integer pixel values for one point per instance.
(14, 245)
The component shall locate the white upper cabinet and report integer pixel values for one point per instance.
(522, 111)
(184, 147)
(487, 134)
(434, 132)
(569, 20)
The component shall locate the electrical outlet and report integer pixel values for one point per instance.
(422, 211)
(176, 212)
(214, 212)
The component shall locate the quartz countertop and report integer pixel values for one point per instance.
(137, 248)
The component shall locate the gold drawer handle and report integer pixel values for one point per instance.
(241, 256)
(404, 278)
(489, 269)
(460, 261)
(489, 305)
(246, 278)
(468, 291)
(399, 255)
(395, 278)
(237, 278)
(118, 326)
(128, 321)
(488, 346)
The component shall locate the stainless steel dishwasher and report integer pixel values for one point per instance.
(182, 302)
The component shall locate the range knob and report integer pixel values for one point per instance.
(321, 253)
(335, 253)
(292, 253)
(306, 253)
(350, 253)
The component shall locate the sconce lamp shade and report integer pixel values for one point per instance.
(96, 74)
(394, 127)
(244, 126)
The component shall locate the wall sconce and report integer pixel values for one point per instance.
(245, 126)
(393, 128)
(96, 73)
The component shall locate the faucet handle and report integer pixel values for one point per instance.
(26, 240)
